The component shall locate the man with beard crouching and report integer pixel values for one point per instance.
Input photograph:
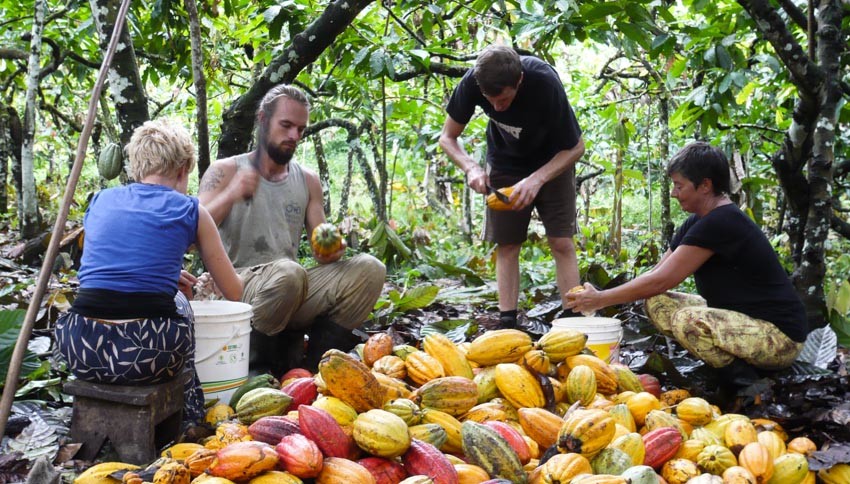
(262, 201)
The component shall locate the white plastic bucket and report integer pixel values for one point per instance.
(222, 337)
(603, 334)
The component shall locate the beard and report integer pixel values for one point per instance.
(281, 156)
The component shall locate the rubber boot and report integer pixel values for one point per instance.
(325, 335)
(276, 354)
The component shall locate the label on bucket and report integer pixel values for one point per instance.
(609, 353)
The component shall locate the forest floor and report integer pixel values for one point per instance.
(805, 400)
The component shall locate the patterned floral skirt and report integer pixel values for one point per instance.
(137, 352)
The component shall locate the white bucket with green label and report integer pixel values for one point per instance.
(603, 334)
(222, 337)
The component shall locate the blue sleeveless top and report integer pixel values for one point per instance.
(135, 238)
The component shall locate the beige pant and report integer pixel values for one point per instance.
(718, 336)
(284, 295)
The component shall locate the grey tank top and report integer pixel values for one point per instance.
(269, 226)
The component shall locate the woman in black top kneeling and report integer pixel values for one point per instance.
(747, 308)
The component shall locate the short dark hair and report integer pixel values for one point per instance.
(699, 160)
(496, 68)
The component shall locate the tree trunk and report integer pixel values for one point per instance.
(667, 226)
(238, 119)
(346, 187)
(616, 233)
(28, 208)
(125, 83)
(324, 173)
(808, 142)
(200, 82)
(6, 148)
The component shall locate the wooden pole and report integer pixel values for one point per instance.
(58, 227)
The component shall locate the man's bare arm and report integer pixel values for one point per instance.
(476, 177)
(217, 190)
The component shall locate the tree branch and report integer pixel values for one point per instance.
(56, 58)
(433, 68)
(794, 12)
(305, 47)
(841, 227)
(43, 104)
(401, 24)
(13, 54)
(842, 169)
(725, 127)
(807, 76)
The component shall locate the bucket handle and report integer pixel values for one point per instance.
(236, 333)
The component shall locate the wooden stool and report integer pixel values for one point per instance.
(136, 419)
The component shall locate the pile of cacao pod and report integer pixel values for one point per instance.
(487, 411)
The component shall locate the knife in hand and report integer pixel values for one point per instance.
(501, 196)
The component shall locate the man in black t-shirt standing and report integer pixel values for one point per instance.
(533, 144)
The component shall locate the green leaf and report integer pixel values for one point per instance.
(658, 41)
(454, 329)
(361, 55)
(602, 10)
(724, 60)
(417, 297)
(397, 243)
(841, 303)
(635, 34)
(11, 319)
(598, 276)
(744, 95)
(377, 63)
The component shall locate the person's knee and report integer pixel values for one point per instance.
(373, 270)
(508, 250)
(288, 276)
(562, 246)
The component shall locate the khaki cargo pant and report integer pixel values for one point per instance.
(718, 336)
(284, 295)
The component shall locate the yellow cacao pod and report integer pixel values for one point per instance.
(422, 367)
(499, 346)
(837, 474)
(695, 411)
(757, 459)
(351, 381)
(519, 386)
(738, 434)
(586, 432)
(558, 344)
(381, 433)
(802, 445)
(606, 377)
(679, 471)
(715, 459)
(738, 475)
(581, 385)
(790, 468)
(451, 358)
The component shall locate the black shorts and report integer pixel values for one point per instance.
(555, 204)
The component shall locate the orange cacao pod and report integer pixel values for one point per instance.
(243, 460)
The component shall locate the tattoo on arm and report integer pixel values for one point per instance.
(212, 179)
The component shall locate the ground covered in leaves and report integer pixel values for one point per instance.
(810, 399)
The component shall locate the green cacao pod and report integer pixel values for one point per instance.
(111, 161)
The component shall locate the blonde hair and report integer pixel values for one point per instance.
(160, 147)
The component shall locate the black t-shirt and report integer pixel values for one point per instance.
(744, 274)
(538, 124)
